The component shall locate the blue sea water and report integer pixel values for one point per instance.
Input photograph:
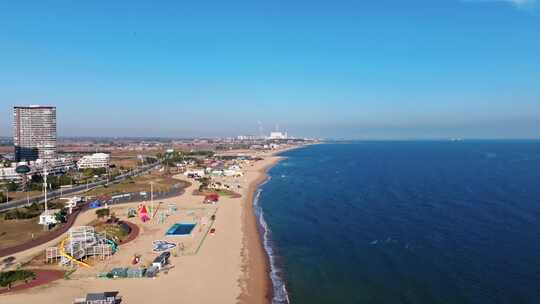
(405, 222)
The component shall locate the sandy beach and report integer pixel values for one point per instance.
(229, 266)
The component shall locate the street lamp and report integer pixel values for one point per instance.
(152, 196)
(45, 185)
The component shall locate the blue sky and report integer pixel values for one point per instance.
(354, 69)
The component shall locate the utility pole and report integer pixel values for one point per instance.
(26, 190)
(45, 185)
(152, 195)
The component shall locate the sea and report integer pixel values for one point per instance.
(412, 222)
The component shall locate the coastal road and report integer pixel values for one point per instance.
(77, 189)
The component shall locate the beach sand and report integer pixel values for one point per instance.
(230, 267)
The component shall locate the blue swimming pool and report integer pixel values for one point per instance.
(180, 229)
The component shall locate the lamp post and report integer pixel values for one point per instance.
(45, 186)
(152, 195)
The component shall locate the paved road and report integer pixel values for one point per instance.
(77, 189)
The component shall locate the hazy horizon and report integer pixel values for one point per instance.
(386, 70)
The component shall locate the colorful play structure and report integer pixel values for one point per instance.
(157, 209)
(82, 242)
(211, 198)
(143, 213)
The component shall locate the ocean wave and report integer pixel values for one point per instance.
(280, 294)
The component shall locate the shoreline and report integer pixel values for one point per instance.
(257, 268)
(256, 264)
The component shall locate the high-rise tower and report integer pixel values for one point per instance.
(34, 132)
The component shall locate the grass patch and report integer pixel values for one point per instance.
(30, 212)
(115, 231)
(162, 183)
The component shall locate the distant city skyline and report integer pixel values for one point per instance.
(341, 69)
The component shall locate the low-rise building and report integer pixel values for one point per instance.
(96, 160)
(233, 173)
(195, 173)
(249, 137)
(48, 217)
(162, 260)
(72, 203)
(53, 166)
(110, 297)
(9, 174)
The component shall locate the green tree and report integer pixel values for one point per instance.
(90, 172)
(61, 216)
(57, 181)
(101, 213)
(9, 277)
(12, 186)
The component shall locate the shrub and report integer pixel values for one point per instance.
(61, 216)
(21, 214)
(103, 212)
(9, 277)
(12, 186)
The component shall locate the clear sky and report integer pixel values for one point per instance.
(341, 68)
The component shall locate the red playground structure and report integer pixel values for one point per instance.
(211, 198)
(143, 213)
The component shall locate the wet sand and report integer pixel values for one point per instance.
(259, 285)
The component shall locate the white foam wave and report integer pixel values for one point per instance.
(281, 296)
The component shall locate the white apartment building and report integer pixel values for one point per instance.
(96, 160)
